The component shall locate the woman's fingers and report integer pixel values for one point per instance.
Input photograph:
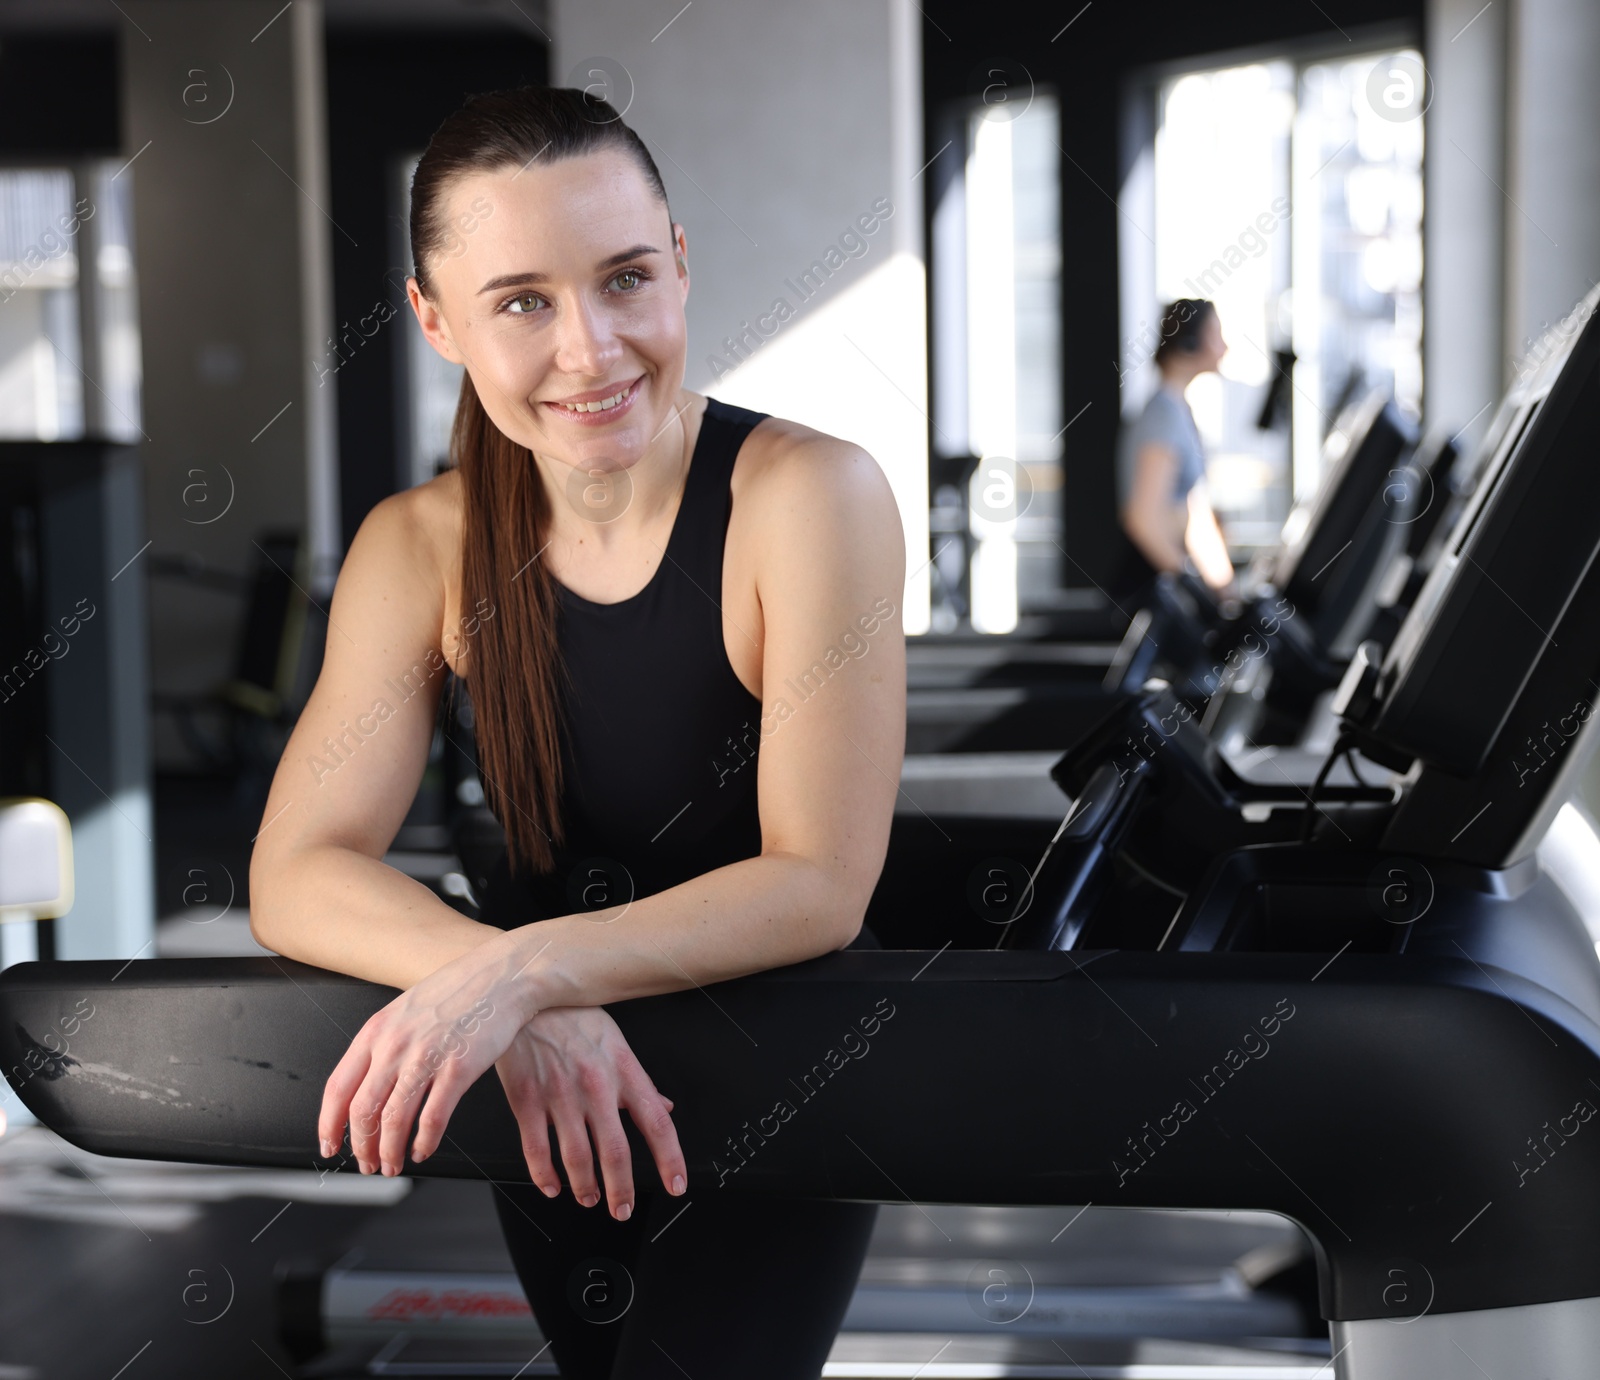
(535, 1127)
(616, 1158)
(444, 1094)
(355, 1095)
(341, 1087)
(573, 1071)
(394, 1126)
(405, 1102)
(443, 1071)
(576, 1153)
(366, 1114)
(652, 1114)
(527, 1102)
(424, 1038)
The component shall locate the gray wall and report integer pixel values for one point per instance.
(1464, 222)
(222, 119)
(1553, 157)
(1513, 194)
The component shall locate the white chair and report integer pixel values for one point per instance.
(35, 884)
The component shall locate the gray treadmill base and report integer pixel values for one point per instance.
(1554, 1341)
(868, 1356)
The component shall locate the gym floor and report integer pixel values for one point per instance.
(180, 1269)
(127, 1268)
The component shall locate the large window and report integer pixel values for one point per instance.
(66, 277)
(1290, 194)
(1222, 231)
(1358, 258)
(997, 356)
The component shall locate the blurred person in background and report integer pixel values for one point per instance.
(1162, 500)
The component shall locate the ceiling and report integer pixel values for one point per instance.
(105, 16)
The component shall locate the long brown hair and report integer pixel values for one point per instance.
(513, 670)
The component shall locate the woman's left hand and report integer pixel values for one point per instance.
(434, 1039)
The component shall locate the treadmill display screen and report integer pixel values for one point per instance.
(1359, 458)
(1485, 616)
(1343, 541)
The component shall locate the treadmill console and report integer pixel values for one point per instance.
(1489, 684)
(1336, 548)
(1488, 610)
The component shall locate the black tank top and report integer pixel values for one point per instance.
(661, 737)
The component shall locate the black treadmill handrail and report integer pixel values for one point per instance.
(1381, 1101)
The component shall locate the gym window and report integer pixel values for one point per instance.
(996, 347)
(52, 219)
(1277, 189)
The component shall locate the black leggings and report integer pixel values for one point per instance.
(711, 1285)
(714, 1285)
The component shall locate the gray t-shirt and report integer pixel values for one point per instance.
(1166, 418)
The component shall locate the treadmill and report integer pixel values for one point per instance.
(1259, 674)
(1335, 550)
(1371, 1011)
(1283, 700)
(1443, 487)
(1276, 722)
(1306, 598)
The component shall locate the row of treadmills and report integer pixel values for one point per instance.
(1254, 912)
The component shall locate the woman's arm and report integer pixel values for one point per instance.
(1148, 516)
(1203, 538)
(319, 891)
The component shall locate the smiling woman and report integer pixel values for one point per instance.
(660, 565)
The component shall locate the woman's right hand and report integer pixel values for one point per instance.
(571, 1067)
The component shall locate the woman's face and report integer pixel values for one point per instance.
(557, 284)
(1212, 345)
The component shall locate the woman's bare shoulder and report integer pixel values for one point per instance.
(791, 456)
(434, 507)
(408, 549)
(806, 481)
(804, 478)
(422, 525)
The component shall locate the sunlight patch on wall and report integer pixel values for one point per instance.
(856, 367)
